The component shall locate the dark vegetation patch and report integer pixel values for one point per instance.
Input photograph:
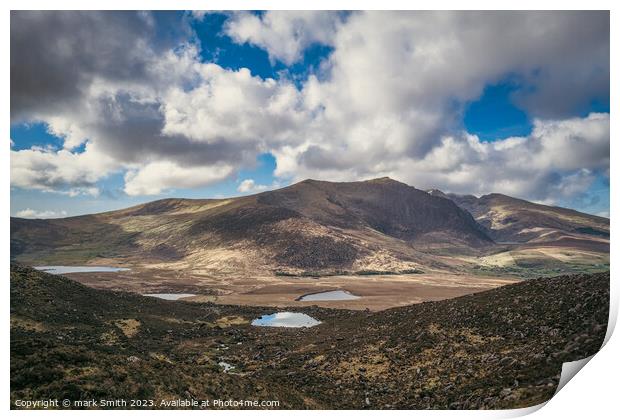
(161, 206)
(166, 252)
(530, 271)
(388, 272)
(316, 252)
(291, 248)
(592, 231)
(75, 239)
(332, 273)
(245, 222)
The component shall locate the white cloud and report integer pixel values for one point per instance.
(395, 77)
(45, 214)
(542, 166)
(558, 160)
(199, 14)
(389, 104)
(250, 186)
(156, 177)
(283, 34)
(74, 192)
(60, 171)
(236, 107)
(572, 143)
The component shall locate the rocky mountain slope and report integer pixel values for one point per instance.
(314, 226)
(534, 239)
(496, 349)
(508, 219)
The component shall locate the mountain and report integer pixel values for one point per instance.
(311, 225)
(509, 219)
(379, 225)
(502, 348)
(545, 239)
(383, 205)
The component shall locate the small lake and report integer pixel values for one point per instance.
(333, 295)
(65, 269)
(170, 296)
(286, 319)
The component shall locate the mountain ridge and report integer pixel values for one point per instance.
(319, 226)
(494, 211)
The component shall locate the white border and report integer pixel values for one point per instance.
(592, 394)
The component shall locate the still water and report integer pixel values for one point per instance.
(333, 295)
(286, 319)
(65, 269)
(170, 296)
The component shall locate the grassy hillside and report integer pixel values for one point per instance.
(496, 349)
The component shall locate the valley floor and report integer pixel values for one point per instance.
(377, 292)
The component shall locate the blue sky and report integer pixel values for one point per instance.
(495, 116)
(493, 111)
(219, 48)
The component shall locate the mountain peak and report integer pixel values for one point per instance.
(384, 179)
(437, 193)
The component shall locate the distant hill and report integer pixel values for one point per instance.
(313, 226)
(508, 219)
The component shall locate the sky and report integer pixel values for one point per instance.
(113, 109)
